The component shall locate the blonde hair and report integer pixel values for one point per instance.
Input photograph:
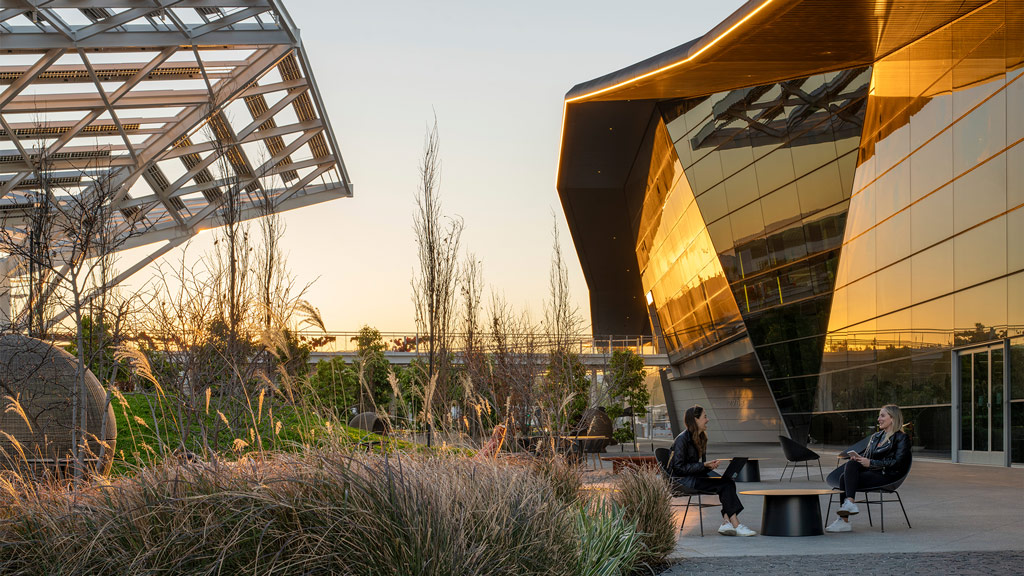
(897, 419)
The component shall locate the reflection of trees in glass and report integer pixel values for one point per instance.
(979, 335)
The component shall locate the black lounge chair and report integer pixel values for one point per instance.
(890, 488)
(680, 491)
(796, 455)
(858, 448)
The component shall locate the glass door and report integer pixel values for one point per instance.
(981, 406)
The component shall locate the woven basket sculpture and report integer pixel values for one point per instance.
(37, 382)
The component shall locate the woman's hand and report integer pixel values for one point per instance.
(711, 465)
(865, 462)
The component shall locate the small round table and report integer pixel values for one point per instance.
(791, 512)
(751, 471)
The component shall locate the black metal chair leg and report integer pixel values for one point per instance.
(829, 509)
(685, 512)
(881, 503)
(783, 477)
(822, 474)
(900, 500)
(700, 515)
(867, 504)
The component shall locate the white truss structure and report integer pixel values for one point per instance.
(172, 102)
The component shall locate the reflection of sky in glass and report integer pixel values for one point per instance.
(931, 237)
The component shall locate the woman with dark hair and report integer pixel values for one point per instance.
(885, 459)
(689, 468)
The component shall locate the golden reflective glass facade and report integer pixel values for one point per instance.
(771, 169)
(680, 268)
(932, 255)
(862, 227)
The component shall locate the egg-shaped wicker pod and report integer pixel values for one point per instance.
(37, 385)
(595, 422)
(370, 422)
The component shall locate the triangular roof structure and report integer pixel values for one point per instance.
(172, 102)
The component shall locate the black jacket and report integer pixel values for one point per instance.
(891, 456)
(687, 464)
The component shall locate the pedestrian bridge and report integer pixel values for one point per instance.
(402, 348)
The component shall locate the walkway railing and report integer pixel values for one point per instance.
(536, 343)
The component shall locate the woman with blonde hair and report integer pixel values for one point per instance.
(886, 458)
(689, 468)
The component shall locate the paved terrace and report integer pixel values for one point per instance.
(966, 520)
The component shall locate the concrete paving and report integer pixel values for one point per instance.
(966, 519)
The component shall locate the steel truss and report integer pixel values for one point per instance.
(174, 103)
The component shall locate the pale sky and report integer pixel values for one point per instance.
(495, 75)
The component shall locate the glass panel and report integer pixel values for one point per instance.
(931, 167)
(860, 253)
(893, 288)
(713, 204)
(980, 254)
(741, 189)
(933, 323)
(978, 311)
(892, 191)
(862, 211)
(746, 223)
(1015, 109)
(774, 170)
(780, 208)
(1015, 240)
(980, 399)
(931, 379)
(980, 134)
(861, 300)
(1017, 432)
(980, 194)
(966, 405)
(931, 274)
(934, 116)
(705, 173)
(820, 189)
(1017, 369)
(997, 400)
(979, 50)
(892, 239)
(931, 219)
(1015, 305)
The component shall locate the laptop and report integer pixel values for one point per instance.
(735, 465)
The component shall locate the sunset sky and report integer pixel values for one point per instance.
(495, 76)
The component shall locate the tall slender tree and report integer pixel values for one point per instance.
(435, 283)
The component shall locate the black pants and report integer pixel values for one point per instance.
(726, 490)
(857, 477)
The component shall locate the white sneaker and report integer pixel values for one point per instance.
(742, 530)
(727, 529)
(839, 525)
(848, 509)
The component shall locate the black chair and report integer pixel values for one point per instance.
(680, 491)
(858, 448)
(890, 488)
(797, 454)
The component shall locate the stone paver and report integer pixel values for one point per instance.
(863, 564)
(966, 519)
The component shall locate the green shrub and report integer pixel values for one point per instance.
(645, 498)
(609, 542)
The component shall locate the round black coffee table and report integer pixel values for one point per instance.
(791, 512)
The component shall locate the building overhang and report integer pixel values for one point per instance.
(607, 122)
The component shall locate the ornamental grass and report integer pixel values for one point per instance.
(325, 511)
